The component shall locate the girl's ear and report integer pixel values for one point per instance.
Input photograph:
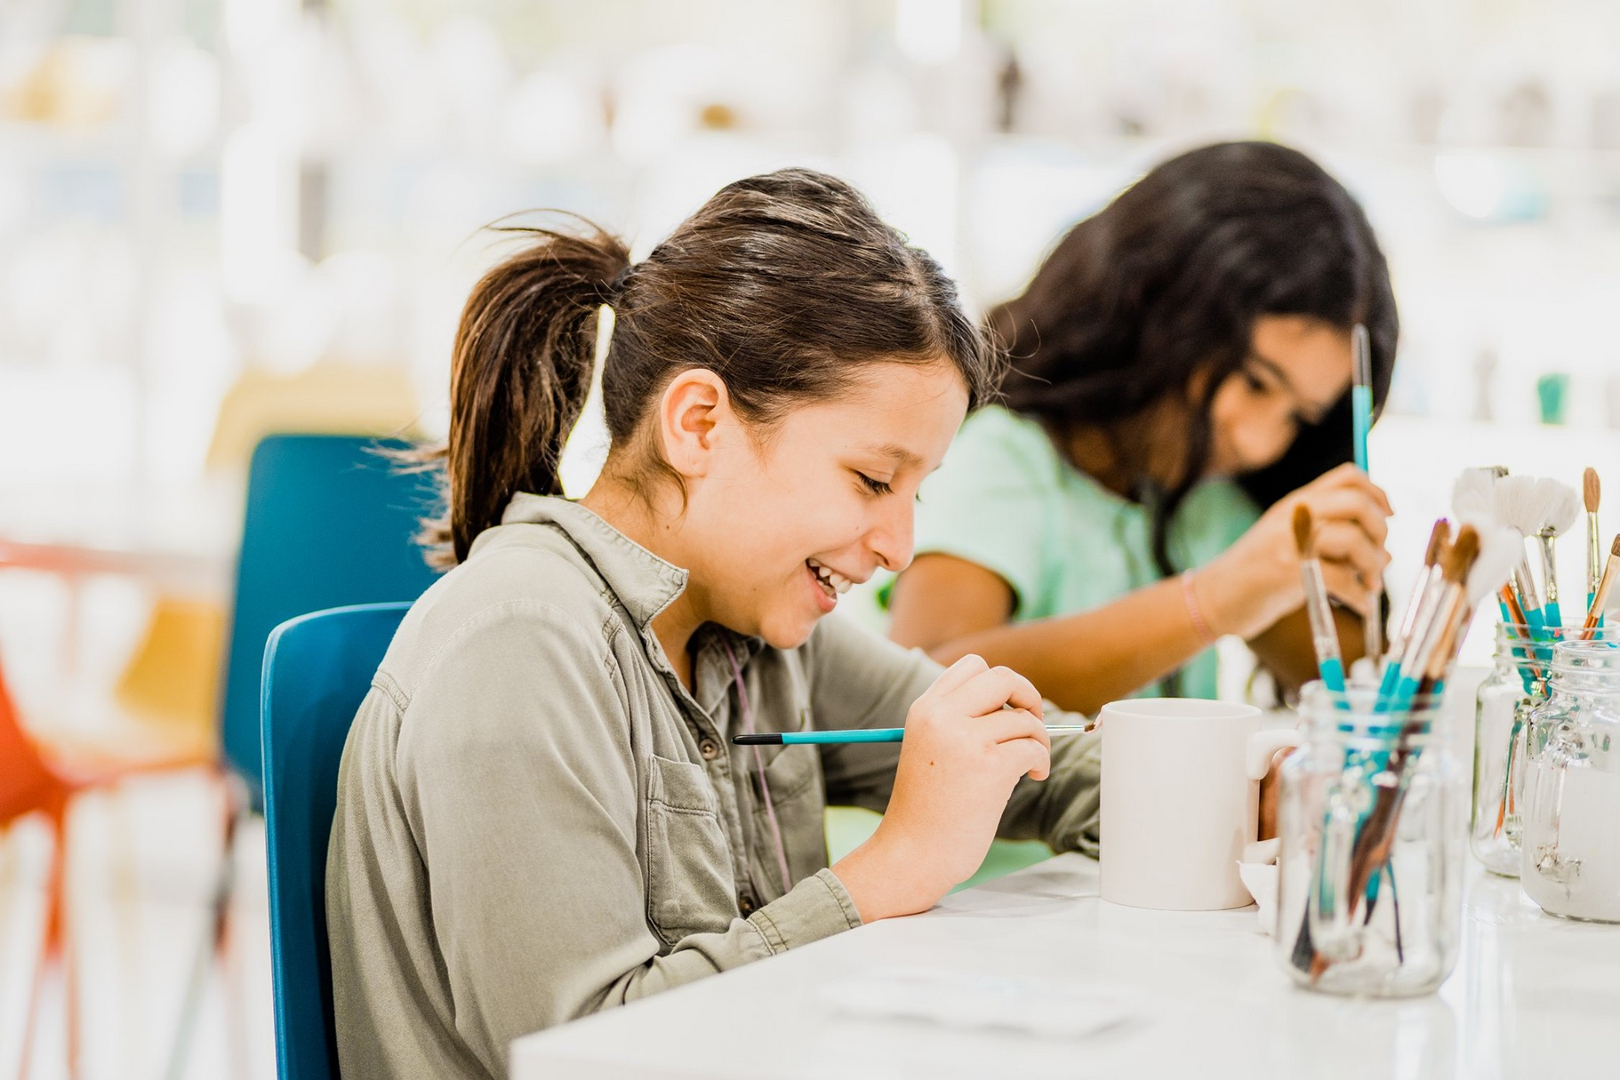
(694, 419)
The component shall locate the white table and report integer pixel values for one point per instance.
(1532, 996)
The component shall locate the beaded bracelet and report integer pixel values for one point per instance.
(1204, 632)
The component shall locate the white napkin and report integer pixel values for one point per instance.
(1258, 870)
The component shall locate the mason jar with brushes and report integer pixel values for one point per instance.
(1570, 850)
(1371, 823)
(1502, 707)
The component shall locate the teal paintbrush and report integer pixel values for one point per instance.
(866, 735)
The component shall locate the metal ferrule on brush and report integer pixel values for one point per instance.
(1324, 634)
(1549, 564)
(1594, 560)
(1524, 583)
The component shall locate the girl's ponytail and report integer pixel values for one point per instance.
(520, 371)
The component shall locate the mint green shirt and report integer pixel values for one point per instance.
(1006, 499)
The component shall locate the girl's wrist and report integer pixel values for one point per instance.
(882, 879)
(1226, 597)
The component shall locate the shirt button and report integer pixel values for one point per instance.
(745, 905)
(709, 749)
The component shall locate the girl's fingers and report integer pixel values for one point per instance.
(1348, 476)
(1350, 504)
(1345, 586)
(1026, 756)
(1010, 724)
(1345, 543)
(968, 667)
(988, 691)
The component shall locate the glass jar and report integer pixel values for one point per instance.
(1502, 706)
(1570, 858)
(1373, 834)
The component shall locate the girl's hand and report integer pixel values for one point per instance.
(963, 753)
(1256, 581)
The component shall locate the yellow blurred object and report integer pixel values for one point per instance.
(328, 398)
(74, 83)
(171, 685)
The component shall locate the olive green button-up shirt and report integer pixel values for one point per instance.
(536, 820)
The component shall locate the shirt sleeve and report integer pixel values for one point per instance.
(1064, 809)
(862, 680)
(519, 784)
(989, 503)
(1214, 517)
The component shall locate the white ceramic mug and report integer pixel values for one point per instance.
(1180, 799)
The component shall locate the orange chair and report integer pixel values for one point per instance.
(37, 777)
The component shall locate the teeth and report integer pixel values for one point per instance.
(836, 581)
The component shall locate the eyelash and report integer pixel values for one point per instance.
(1256, 386)
(876, 487)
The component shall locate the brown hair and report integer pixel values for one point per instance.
(782, 284)
(1168, 280)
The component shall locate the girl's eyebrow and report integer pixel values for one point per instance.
(898, 454)
(1313, 414)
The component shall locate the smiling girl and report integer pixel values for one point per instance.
(540, 812)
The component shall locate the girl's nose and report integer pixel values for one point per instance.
(892, 537)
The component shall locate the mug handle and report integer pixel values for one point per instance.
(1263, 745)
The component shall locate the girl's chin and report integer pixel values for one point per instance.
(788, 633)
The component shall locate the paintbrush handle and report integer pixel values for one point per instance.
(1361, 403)
(1373, 634)
(865, 735)
(1600, 599)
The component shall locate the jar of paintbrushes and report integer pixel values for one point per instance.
(1373, 809)
(1502, 707)
(1370, 864)
(1537, 510)
(1570, 856)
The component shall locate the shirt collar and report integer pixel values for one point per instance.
(644, 583)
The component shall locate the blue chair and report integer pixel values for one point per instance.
(317, 669)
(330, 521)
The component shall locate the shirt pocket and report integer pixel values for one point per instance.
(689, 879)
(799, 799)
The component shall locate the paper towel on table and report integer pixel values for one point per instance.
(1258, 871)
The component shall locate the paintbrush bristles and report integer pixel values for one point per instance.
(1302, 531)
(1533, 503)
(1591, 490)
(1459, 560)
(1471, 494)
(1498, 548)
(1439, 537)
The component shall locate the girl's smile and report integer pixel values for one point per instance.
(829, 584)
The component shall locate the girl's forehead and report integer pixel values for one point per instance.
(1311, 359)
(905, 413)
